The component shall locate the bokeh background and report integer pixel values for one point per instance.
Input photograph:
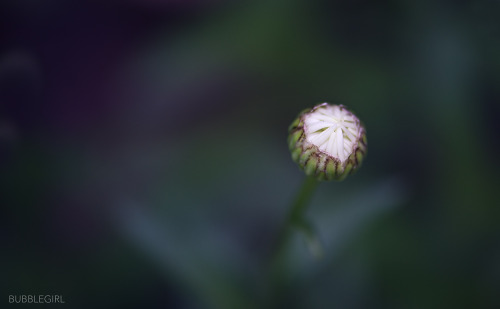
(144, 163)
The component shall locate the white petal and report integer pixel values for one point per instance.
(322, 137)
(340, 144)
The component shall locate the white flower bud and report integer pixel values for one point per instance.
(327, 141)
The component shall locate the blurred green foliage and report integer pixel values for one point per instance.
(144, 159)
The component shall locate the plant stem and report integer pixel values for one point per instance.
(301, 201)
(294, 220)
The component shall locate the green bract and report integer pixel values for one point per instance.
(327, 141)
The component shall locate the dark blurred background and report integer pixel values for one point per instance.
(143, 155)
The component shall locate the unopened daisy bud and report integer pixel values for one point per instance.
(327, 141)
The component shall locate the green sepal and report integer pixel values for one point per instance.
(347, 171)
(359, 157)
(330, 170)
(311, 165)
(296, 154)
(293, 138)
(305, 156)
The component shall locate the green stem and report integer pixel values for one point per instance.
(295, 216)
(294, 220)
(301, 201)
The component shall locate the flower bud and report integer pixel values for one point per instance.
(327, 141)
